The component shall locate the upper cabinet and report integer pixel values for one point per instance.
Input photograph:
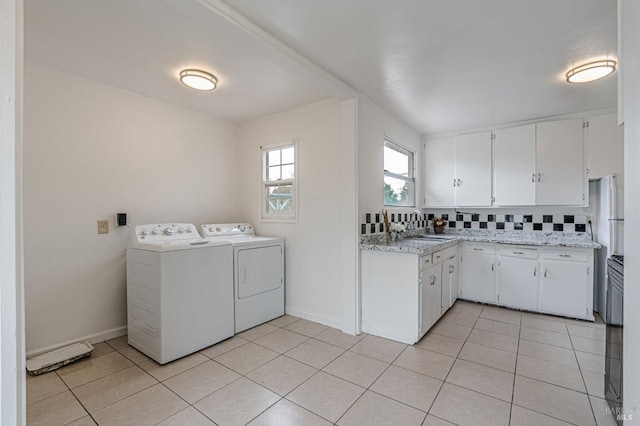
(458, 171)
(473, 169)
(514, 160)
(439, 172)
(606, 147)
(537, 164)
(560, 170)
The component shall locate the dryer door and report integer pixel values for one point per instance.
(258, 270)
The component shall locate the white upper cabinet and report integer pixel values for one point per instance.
(439, 172)
(560, 170)
(605, 140)
(514, 153)
(473, 169)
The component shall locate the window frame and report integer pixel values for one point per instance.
(264, 183)
(391, 144)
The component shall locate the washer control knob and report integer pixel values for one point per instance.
(180, 231)
(169, 231)
(218, 229)
(154, 232)
(188, 230)
(144, 233)
(242, 228)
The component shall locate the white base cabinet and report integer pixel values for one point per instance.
(556, 281)
(477, 272)
(402, 293)
(517, 278)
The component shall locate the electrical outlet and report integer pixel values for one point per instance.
(103, 227)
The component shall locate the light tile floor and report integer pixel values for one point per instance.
(479, 365)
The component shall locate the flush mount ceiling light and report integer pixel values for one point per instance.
(591, 71)
(199, 80)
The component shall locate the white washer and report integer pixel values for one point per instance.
(258, 270)
(179, 291)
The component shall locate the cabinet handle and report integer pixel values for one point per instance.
(564, 255)
(535, 271)
(492, 265)
(454, 181)
(477, 249)
(545, 272)
(518, 252)
(433, 279)
(459, 183)
(533, 177)
(538, 177)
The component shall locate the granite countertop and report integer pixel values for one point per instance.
(416, 244)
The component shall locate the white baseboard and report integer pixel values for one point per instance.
(92, 338)
(313, 317)
(396, 335)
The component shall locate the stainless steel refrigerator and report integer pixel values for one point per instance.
(606, 202)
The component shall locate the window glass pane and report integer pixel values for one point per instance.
(396, 162)
(287, 171)
(273, 173)
(279, 200)
(274, 157)
(287, 156)
(398, 192)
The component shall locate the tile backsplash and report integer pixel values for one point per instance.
(515, 222)
(372, 223)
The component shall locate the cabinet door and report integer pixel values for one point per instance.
(473, 169)
(564, 288)
(514, 162)
(560, 174)
(518, 282)
(478, 277)
(605, 140)
(445, 302)
(435, 284)
(439, 172)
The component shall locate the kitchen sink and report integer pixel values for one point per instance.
(438, 237)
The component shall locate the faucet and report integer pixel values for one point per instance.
(418, 212)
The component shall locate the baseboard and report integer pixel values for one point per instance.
(396, 335)
(91, 338)
(313, 317)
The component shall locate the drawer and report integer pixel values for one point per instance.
(569, 255)
(479, 248)
(426, 262)
(516, 251)
(445, 254)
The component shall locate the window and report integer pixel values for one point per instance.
(279, 191)
(399, 175)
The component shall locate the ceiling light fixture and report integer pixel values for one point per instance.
(591, 71)
(199, 80)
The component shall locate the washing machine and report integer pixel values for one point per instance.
(258, 272)
(179, 290)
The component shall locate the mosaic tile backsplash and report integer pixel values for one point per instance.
(372, 223)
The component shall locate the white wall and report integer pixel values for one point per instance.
(91, 151)
(315, 254)
(630, 63)
(12, 380)
(374, 123)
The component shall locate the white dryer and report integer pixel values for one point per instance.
(179, 291)
(258, 269)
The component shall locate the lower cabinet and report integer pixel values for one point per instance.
(565, 285)
(551, 280)
(478, 272)
(517, 278)
(402, 293)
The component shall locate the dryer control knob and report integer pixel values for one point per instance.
(188, 230)
(218, 229)
(211, 228)
(180, 231)
(242, 228)
(144, 233)
(154, 232)
(169, 231)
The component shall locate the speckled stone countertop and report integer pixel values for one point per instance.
(415, 244)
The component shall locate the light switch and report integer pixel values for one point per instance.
(103, 227)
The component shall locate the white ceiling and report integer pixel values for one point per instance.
(440, 66)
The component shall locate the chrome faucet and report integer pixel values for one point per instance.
(418, 212)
